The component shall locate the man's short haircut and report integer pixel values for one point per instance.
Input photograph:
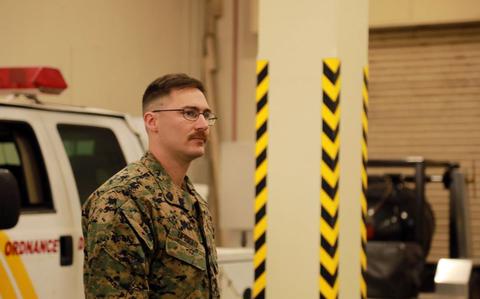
(165, 84)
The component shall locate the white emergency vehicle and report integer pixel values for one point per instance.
(51, 158)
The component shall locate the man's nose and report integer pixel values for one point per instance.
(202, 122)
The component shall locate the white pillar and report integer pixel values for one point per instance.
(295, 36)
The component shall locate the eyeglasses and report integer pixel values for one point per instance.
(193, 114)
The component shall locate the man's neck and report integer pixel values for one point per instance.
(175, 168)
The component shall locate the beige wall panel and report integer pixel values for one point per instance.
(107, 50)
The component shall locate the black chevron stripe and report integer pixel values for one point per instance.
(260, 241)
(331, 134)
(262, 75)
(332, 104)
(365, 80)
(330, 74)
(262, 130)
(329, 248)
(262, 102)
(261, 295)
(261, 185)
(331, 220)
(260, 269)
(331, 191)
(331, 163)
(261, 213)
(324, 297)
(365, 108)
(330, 278)
(261, 157)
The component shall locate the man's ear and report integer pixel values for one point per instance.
(150, 122)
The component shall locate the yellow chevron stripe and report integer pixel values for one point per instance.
(363, 288)
(328, 175)
(262, 117)
(331, 206)
(330, 264)
(332, 90)
(260, 228)
(261, 172)
(18, 271)
(328, 291)
(261, 64)
(363, 232)
(262, 88)
(261, 144)
(363, 260)
(259, 284)
(364, 178)
(331, 148)
(260, 256)
(329, 233)
(333, 64)
(261, 200)
(332, 119)
(365, 94)
(364, 123)
(363, 205)
(364, 151)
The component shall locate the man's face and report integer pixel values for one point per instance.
(178, 137)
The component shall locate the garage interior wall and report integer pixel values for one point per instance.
(109, 50)
(425, 101)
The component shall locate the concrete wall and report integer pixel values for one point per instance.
(108, 50)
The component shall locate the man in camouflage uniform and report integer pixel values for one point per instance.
(148, 233)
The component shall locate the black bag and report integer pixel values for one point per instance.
(394, 269)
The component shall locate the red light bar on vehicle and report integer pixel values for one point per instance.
(31, 80)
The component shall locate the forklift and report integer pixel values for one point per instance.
(400, 227)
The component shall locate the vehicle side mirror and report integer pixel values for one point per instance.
(9, 200)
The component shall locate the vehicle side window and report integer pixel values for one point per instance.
(94, 153)
(21, 155)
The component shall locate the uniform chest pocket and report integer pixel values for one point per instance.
(178, 246)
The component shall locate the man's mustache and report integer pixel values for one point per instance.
(199, 135)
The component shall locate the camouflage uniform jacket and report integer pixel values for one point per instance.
(144, 240)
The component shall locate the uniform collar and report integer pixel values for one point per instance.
(184, 198)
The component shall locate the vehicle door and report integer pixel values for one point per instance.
(90, 149)
(36, 256)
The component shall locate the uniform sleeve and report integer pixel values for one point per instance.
(116, 258)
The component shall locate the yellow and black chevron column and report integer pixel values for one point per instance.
(260, 229)
(363, 199)
(330, 175)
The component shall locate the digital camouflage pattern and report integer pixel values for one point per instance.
(146, 238)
